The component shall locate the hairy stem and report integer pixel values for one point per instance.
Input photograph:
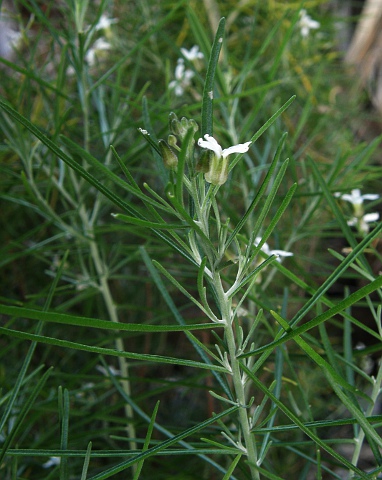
(237, 377)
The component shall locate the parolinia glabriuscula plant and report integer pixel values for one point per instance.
(198, 167)
(188, 215)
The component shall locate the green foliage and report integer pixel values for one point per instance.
(148, 328)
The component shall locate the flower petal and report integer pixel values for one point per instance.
(192, 54)
(370, 196)
(240, 148)
(370, 217)
(211, 144)
(281, 253)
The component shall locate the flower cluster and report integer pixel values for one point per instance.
(182, 80)
(184, 75)
(360, 219)
(102, 44)
(306, 23)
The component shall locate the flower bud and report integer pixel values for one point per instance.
(204, 161)
(173, 123)
(169, 158)
(181, 127)
(172, 141)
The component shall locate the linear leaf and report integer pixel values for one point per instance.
(266, 125)
(109, 351)
(148, 223)
(183, 290)
(208, 91)
(90, 322)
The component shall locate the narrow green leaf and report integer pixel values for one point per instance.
(232, 467)
(186, 144)
(265, 127)
(64, 414)
(86, 462)
(90, 322)
(83, 154)
(273, 223)
(109, 351)
(358, 250)
(124, 169)
(319, 424)
(297, 280)
(208, 91)
(148, 223)
(147, 440)
(184, 291)
(153, 141)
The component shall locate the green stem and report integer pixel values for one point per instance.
(88, 221)
(102, 273)
(361, 435)
(238, 384)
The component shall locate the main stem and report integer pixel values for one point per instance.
(238, 384)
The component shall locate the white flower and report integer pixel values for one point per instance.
(306, 23)
(355, 197)
(99, 45)
(362, 222)
(211, 144)
(192, 54)
(265, 248)
(105, 22)
(52, 462)
(217, 169)
(182, 78)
